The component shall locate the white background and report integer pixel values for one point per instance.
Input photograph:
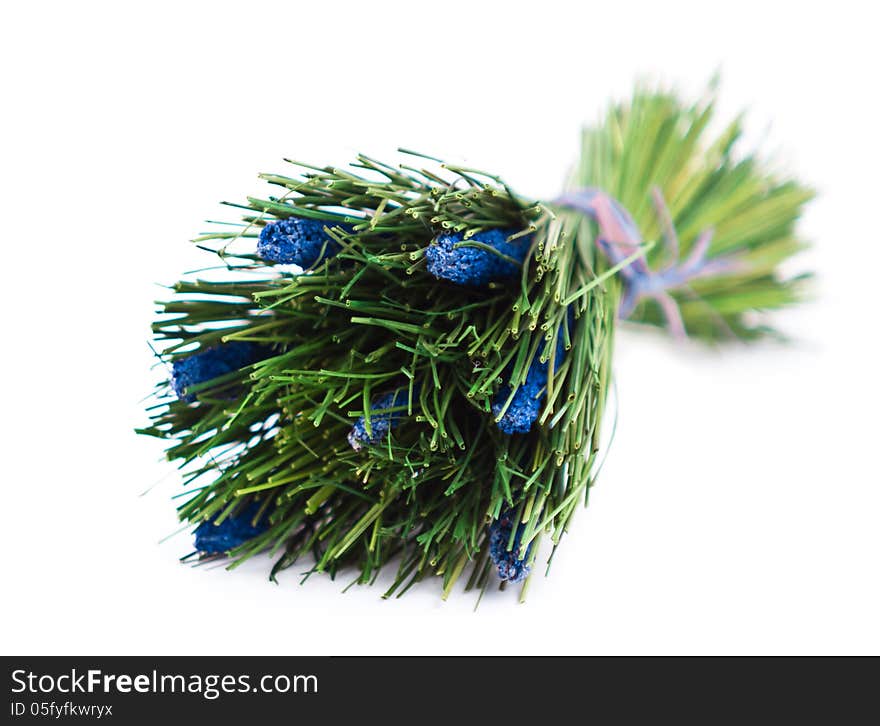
(738, 511)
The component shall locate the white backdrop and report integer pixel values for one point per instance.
(738, 510)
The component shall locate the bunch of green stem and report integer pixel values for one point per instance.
(372, 320)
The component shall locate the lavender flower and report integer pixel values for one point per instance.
(212, 363)
(298, 241)
(380, 423)
(235, 530)
(473, 265)
(529, 397)
(510, 565)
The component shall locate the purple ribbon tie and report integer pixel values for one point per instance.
(619, 238)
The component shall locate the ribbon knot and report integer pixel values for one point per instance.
(619, 238)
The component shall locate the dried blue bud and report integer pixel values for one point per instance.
(475, 266)
(526, 404)
(235, 530)
(298, 241)
(510, 565)
(529, 397)
(212, 363)
(380, 423)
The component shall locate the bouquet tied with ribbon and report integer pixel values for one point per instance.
(408, 365)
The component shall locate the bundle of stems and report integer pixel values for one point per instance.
(657, 144)
(369, 429)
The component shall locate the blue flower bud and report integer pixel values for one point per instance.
(298, 241)
(212, 363)
(380, 423)
(472, 265)
(510, 565)
(526, 405)
(235, 530)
